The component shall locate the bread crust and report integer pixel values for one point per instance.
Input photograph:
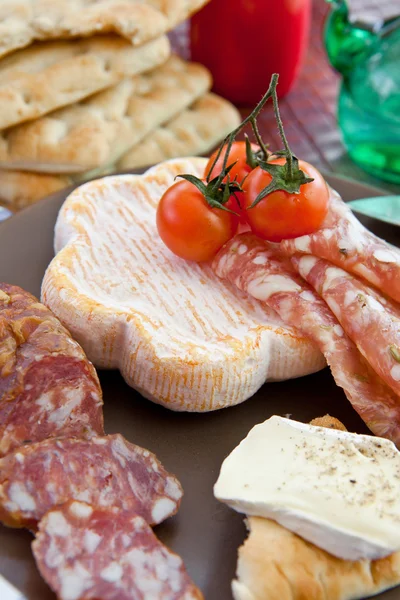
(97, 131)
(195, 131)
(275, 563)
(328, 422)
(25, 21)
(47, 76)
(19, 189)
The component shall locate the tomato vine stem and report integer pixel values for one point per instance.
(288, 153)
(251, 118)
(287, 177)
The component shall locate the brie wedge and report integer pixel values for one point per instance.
(178, 334)
(338, 490)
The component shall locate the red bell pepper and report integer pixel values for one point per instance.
(243, 42)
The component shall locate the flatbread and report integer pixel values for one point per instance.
(195, 131)
(48, 75)
(328, 422)
(101, 129)
(25, 21)
(19, 189)
(277, 564)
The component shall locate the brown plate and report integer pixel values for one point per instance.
(193, 446)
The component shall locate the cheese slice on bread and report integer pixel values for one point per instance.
(276, 564)
(336, 489)
(178, 334)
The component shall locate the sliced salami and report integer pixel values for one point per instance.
(47, 386)
(345, 242)
(105, 471)
(259, 269)
(373, 323)
(91, 553)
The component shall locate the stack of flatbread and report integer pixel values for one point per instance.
(88, 87)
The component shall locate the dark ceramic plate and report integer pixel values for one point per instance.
(206, 533)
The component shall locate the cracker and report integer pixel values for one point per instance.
(196, 131)
(100, 130)
(46, 76)
(25, 21)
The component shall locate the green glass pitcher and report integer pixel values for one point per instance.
(368, 58)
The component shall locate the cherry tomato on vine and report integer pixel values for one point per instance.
(239, 171)
(236, 155)
(236, 204)
(189, 227)
(283, 215)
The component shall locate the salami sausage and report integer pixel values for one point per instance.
(373, 323)
(345, 242)
(47, 386)
(259, 269)
(91, 553)
(105, 471)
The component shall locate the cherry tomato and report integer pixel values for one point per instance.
(282, 215)
(236, 205)
(189, 227)
(237, 155)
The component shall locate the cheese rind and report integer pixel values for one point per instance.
(178, 334)
(338, 490)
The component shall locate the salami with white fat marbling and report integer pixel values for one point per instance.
(371, 321)
(48, 387)
(345, 242)
(90, 553)
(258, 268)
(104, 471)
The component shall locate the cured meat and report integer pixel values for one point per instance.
(372, 322)
(257, 268)
(91, 553)
(344, 241)
(47, 386)
(104, 471)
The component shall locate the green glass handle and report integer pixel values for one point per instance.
(346, 43)
(367, 56)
